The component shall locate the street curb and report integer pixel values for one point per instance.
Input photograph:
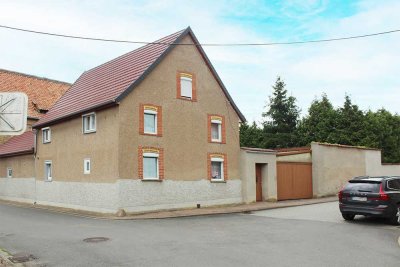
(167, 214)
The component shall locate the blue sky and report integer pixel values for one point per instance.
(366, 69)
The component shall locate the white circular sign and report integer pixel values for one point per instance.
(13, 113)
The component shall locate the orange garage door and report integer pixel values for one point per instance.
(294, 180)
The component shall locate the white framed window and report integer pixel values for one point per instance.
(216, 131)
(86, 166)
(186, 87)
(9, 172)
(48, 171)
(46, 135)
(89, 123)
(150, 166)
(217, 169)
(150, 121)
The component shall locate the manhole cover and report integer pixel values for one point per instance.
(95, 239)
(22, 257)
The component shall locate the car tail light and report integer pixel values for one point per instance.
(382, 195)
(340, 195)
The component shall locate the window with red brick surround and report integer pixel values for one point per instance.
(183, 75)
(156, 153)
(216, 120)
(152, 110)
(217, 157)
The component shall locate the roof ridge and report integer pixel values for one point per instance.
(112, 81)
(135, 50)
(34, 76)
(149, 69)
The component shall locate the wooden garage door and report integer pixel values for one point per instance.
(294, 180)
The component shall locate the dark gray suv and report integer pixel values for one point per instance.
(371, 196)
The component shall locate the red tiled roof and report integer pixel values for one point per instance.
(42, 93)
(110, 82)
(103, 84)
(18, 145)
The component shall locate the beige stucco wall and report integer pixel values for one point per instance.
(22, 166)
(248, 160)
(69, 147)
(374, 166)
(304, 157)
(184, 137)
(334, 166)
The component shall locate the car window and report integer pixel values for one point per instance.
(394, 184)
(363, 187)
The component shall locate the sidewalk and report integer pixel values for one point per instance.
(242, 208)
(227, 209)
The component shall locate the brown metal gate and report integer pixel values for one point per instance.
(294, 180)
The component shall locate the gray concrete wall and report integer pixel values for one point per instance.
(248, 160)
(131, 195)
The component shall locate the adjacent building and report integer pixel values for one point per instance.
(42, 93)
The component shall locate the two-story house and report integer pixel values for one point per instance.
(152, 129)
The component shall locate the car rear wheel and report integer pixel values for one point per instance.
(348, 216)
(395, 220)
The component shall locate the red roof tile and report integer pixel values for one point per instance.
(42, 93)
(108, 83)
(103, 84)
(17, 145)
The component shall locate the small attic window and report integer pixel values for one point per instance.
(89, 123)
(46, 135)
(186, 88)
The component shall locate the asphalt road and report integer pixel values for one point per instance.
(313, 235)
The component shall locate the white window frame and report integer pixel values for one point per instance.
(152, 112)
(85, 170)
(191, 90)
(221, 160)
(48, 140)
(219, 130)
(152, 155)
(8, 172)
(89, 130)
(47, 178)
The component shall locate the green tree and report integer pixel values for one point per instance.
(320, 123)
(350, 124)
(382, 130)
(281, 117)
(251, 135)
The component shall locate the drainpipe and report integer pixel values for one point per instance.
(34, 157)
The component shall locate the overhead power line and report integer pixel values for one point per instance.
(203, 44)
